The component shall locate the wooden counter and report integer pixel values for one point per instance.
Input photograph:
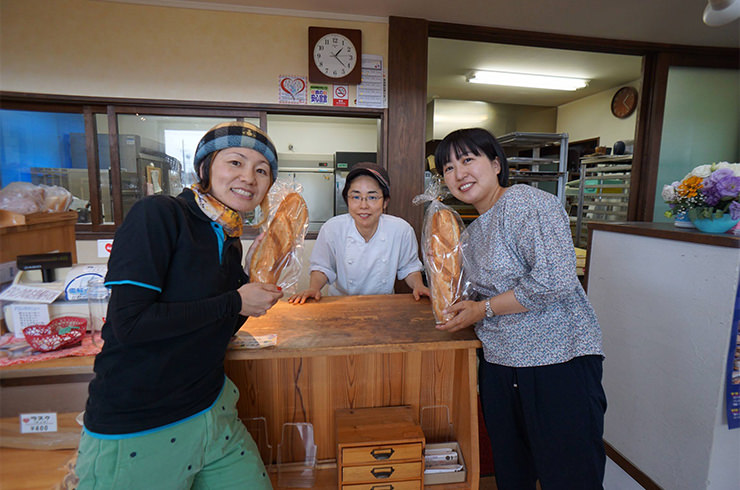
(667, 231)
(358, 352)
(344, 352)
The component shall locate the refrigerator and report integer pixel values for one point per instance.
(343, 163)
(315, 172)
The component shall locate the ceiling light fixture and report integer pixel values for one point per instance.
(721, 12)
(526, 80)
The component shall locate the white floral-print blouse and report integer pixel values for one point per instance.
(524, 243)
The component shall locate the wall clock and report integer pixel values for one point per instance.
(334, 55)
(624, 102)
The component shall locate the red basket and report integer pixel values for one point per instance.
(60, 332)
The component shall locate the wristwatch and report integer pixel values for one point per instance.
(489, 311)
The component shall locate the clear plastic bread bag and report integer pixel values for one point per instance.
(441, 250)
(22, 198)
(56, 199)
(278, 258)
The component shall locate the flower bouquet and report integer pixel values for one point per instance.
(709, 195)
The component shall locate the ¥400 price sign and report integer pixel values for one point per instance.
(38, 422)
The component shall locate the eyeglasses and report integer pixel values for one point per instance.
(368, 199)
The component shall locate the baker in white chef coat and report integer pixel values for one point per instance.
(365, 250)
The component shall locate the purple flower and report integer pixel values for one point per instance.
(722, 183)
(734, 210)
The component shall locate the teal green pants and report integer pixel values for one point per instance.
(211, 450)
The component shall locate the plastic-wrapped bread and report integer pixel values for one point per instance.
(444, 260)
(278, 246)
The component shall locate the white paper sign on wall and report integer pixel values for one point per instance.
(104, 247)
(38, 422)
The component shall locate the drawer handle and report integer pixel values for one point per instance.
(380, 473)
(382, 453)
(382, 487)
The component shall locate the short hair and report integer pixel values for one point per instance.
(475, 141)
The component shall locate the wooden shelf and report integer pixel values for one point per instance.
(40, 233)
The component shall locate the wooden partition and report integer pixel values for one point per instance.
(359, 352)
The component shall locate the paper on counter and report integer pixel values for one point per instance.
(244, 340)
(25, 315)
(29, 294)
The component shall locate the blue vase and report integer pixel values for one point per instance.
(682, 221)
(715, 225)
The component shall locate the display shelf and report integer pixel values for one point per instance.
(603, 192)
(537, 168)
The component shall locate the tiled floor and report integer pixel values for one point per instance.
(614, 479)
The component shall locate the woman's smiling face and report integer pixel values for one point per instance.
(240, 178)
(473, 179)
(365, 202)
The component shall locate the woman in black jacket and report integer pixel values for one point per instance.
(161, 412)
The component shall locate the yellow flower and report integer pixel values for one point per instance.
(690, 186)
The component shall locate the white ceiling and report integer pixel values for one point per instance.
(451, 60)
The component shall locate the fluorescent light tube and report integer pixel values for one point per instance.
(526, 80)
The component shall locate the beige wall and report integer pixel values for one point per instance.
(92, 48)
(108, 49)
(591, 117)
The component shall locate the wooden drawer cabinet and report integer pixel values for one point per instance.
(396, 485)
(379, 449)
(380, 472)
(379, 454)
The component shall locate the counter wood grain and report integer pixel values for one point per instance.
(341, 325)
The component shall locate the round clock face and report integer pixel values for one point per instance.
(624, 102)
(334, 55)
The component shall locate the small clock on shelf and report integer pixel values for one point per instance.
(334, 55)
(624, 102)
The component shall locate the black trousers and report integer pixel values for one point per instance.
(546, 423)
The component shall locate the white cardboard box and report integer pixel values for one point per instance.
(441, 478)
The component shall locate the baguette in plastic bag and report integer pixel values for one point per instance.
(281, 248)
(442, 252)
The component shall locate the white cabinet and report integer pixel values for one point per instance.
(665, 299)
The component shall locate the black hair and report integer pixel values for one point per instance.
(205, 168)
(475, 141)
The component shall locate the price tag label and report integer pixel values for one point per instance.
(38, 422)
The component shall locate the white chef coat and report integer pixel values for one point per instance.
(356, 267)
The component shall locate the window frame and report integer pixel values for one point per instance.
(111, 108)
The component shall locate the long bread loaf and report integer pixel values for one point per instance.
(445, 261)
(273, 254)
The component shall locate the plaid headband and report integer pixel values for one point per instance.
(236, 134)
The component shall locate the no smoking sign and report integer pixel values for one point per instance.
(341, 95)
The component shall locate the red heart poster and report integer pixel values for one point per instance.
(292, 89)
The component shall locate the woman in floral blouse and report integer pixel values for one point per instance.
(541, 364)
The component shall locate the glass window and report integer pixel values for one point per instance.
(700, 124)
(46, 148)
(156, 154)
